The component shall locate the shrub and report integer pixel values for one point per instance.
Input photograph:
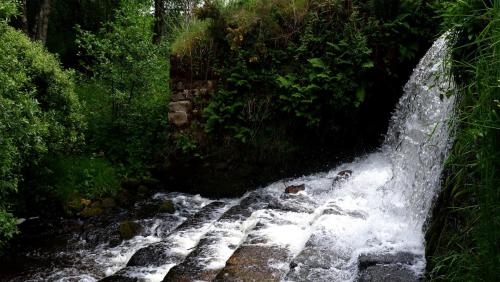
(39, 112)
(129, 89)
(82, 177)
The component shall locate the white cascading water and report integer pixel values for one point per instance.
(320, 232)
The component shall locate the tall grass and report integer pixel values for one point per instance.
(464, 239)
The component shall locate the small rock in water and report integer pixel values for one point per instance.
(129, 229)
(341, 176)
(167, 207)
(294, 189)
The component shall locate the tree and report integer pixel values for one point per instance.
(39, 114)
(160, 27)
(42, 22)
(129, 87)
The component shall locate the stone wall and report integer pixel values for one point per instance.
(188, 100)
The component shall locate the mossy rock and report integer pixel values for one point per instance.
(91, 212)
(96, 204)
(167, 207)
(108, 203)
(129, 229)
(142, 191)
(75, 203)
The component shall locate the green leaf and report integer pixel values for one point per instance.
(317, 63)
(368, 65)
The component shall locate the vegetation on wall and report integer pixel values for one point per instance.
(295, 76)
(463, 240)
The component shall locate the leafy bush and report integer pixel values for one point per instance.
(8, 228)
(312, 62)
(127, 95)
(39, 112)
(82, 177)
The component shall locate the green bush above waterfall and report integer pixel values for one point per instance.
(297, 81)
(312, 63)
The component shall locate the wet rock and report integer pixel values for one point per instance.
(178, 273)
(180, 106)
(108, 203)
(387, 267)
(293, 189)
(158, 254)
(294, 203)
(366, 260)
(91, 212)
(167, 207)
(119, 278)
(342, 176)
(318, 259)
(388, 273)
(178, 118)
(254, 263)
(75, 203)
(129, 229)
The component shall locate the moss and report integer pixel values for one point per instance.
(167, 207)
(129, 229)
(91, 212)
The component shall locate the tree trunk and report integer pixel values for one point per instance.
(42, 22)
(160, 26)
(24, 18)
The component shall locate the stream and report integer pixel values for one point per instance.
(361, 221)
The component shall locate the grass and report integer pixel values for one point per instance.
(464, 239)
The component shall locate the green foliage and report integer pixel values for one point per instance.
(64, 17)
(127, 95)
(39, 111)
(88, 177)
(309, 62)
(190, 36)
(334, 80)
(465, 240)
(8, 228)
(8, 9)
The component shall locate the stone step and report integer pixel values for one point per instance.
(322, 258)
(388, 267)
(172, 249)
(210, 255)
(270, 246)
(160, 253)
(255, 263)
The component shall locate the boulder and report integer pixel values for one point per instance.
(294, 189)
(167, 207)
(180, 106)
(108, 203)
(91, 212)
(129, 229)
(178, 118)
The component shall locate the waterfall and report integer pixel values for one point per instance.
(361, 221)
